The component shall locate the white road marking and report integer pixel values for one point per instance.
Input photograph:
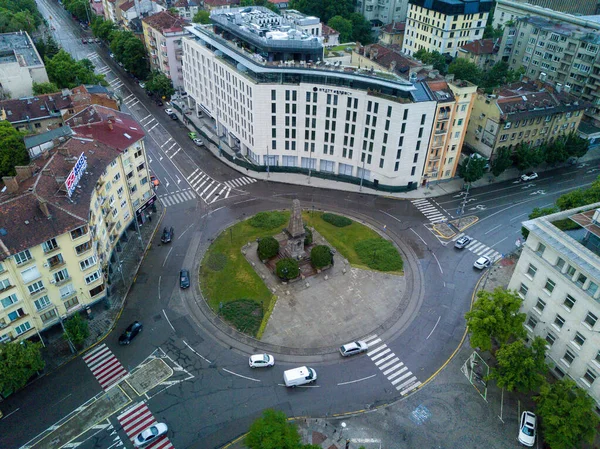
(196, 352)
(357, 380)
(436, 323)
(168, 321)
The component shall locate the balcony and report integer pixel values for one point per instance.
(440, 131)
(443, 116)
(163, 45)
(55, 262)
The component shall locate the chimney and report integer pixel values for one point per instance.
(110, 124)
(392, 66)
(374, 53)
(24, 172)
(11, 183)
(44, 207)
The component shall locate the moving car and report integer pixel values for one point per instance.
(167, 235)
(356, 347)
(527, 429)
(482, 262)
(184, 278)
(299, 376)
(463, 241)
(154, 180)
(169, 111)
(530, 176)
(198, 142)
(192, 135)
(158, 102)
(174, 117)
(261, 360)
(130, 333)
(150, 434)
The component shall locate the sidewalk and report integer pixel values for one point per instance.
(205, 126)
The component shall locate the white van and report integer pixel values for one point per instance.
(299, 376)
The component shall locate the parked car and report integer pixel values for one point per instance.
(261, 360)
(112, 55)
(198, 142)
(527, 429)
(169, 111)
(97, 40)
(530, 176)
(184, 278)
(142, 85)
(356, 347)
(167, 235)
(174, 117)
(192, 135)
(83, 40)
(482, 262)
(130, 333)
(90, 40)
(154, 180)
(158, 102)
(150, 434)
(463, 241)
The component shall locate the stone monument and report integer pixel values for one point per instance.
(295, 232)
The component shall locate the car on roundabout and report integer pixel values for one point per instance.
(261, 360)
(130, 333)
(356, 347)
(184, 279)
(152, 433)
(482, 262)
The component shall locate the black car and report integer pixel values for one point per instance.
(149, 93)
(167, 235)
(184, 278)
(174, 116)
(158, 102)
(130, 333)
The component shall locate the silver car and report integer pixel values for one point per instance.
(463, 241)
(356, 347)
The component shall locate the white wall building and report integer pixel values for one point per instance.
(20, 65)
(557, 276)
(382, 12)
(343, 122)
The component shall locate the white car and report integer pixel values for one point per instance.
(527, 429)
(261, 360)
(169, 111)
(482, 262)
(356, 347)
(198, 142)
(142, 85)
(529, 176)
(463, 241)
(150, 434)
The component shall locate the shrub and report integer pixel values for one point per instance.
(268, 220)
(267, 247)
(76, 330)
(336, 220)
(379, 254)
(320, 256)
(287, 269)
(244, 314)
(308, 237)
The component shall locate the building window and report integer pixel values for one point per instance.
(592, 288)
(540, 249)
(523, 291)
(551, 338)
(23, 257)
(560, 263)
(87, 263)
(589, 377)
(568, 357)
(590, 320)
(50, 245)
(540, 305)
(66, 291)
(597, 359)
(92, 277)
(9, 300)
(531, 323)
(531, 271)
(569, 302)
(559, 322)
(570, 272)
(79, 232)
(581, 280)
(4, 284)
(579, 339)
(72, 302)
(30, 274)
(61, 276)
(36, 287)
(48, 316)
(83, 248)
(22, 328)
(42, 303)
(549, 287)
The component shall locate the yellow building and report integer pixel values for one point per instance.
(392, 33)
(521, 112)
(444, 25)
(61, 218)
(481, 52)
(454, 103)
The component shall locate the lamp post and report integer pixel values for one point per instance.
(362, 177)
(268, 161)
(62, 324)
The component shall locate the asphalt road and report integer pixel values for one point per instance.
(225, 395)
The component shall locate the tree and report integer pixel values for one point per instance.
(130, 51)
(537, 213)
(521, 367)
(287, 269)
(576, 146)
(434, 58)
(500, 74)
(64, 71)
(272, 431)
(308, 236)
(495, 315)
(361, 28)
(343, 26)
(320, 256)
(264, 3)
(267, 247)
(103, 29)
(492, 33)
(160, 84)
(465, 70)
(18, 363)
(201, 17)
(502, 161)
(12, 149)
(44, 88)
(580, 197)
(47, 48)
(567, 414)
(555, 152)
(76, 330)
(526, 156)
(472, 169)
(324, 9)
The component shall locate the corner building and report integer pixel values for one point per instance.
(277, 104)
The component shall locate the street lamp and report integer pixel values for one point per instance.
(362, 177)
(62, 324)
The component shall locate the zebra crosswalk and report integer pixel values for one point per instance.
(104, 366)
(480, 248)
(138, 418)
(430, 211)
(391, 366)
(239, 182)
(207, 188)
(171, 199)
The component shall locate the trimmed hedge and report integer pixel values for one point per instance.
(336, 220)
(287, 269)
(267, 247)
(320, 256)
(268, 220)
(379, 254)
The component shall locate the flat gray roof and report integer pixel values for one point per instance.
(18, 47)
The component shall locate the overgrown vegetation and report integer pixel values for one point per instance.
(273, 431)
(243, 314)
(379, 254)
(12, 149)
(17, 15)
(308, 236)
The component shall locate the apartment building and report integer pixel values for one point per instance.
(564, 54)
(61, 218)
(110, 10)
(557, 276)
(444, 25)
(275, 101)
(331, 37)
(481, 52)
(454, 103)
(562, 10)
(162, 36)
(186, 9)
(525, 111)
(382, 12)
(392, 33)
(20, 65)
(386, 59)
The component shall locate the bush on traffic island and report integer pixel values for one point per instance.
(336, 220)
(287, 269)
(267, 247)
(268, 220)
(320, 256)
(379, 254)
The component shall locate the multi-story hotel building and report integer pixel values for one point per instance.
(557, 275)
(276, 102)
(444, 25)
(61, 218)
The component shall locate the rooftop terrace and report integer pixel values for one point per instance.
(18, 47)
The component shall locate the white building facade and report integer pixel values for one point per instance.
(382, 12)
(557, 275)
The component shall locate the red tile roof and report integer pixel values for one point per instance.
(164, 21)
(394, 27)
(215, 3)
(386, 57)
(481, 47)
(276, 2)
(127, 5)
(35, 108)
(328, 31)
(113, 128)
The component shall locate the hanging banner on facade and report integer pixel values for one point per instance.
(75, 175)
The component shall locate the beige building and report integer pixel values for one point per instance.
(454, 103)
(386, 59)
(444, 25)
(20, 65)
(521, 112)
(557, 275)
(481, 52)
(162, 36)
(392, 34)
(61, 220)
